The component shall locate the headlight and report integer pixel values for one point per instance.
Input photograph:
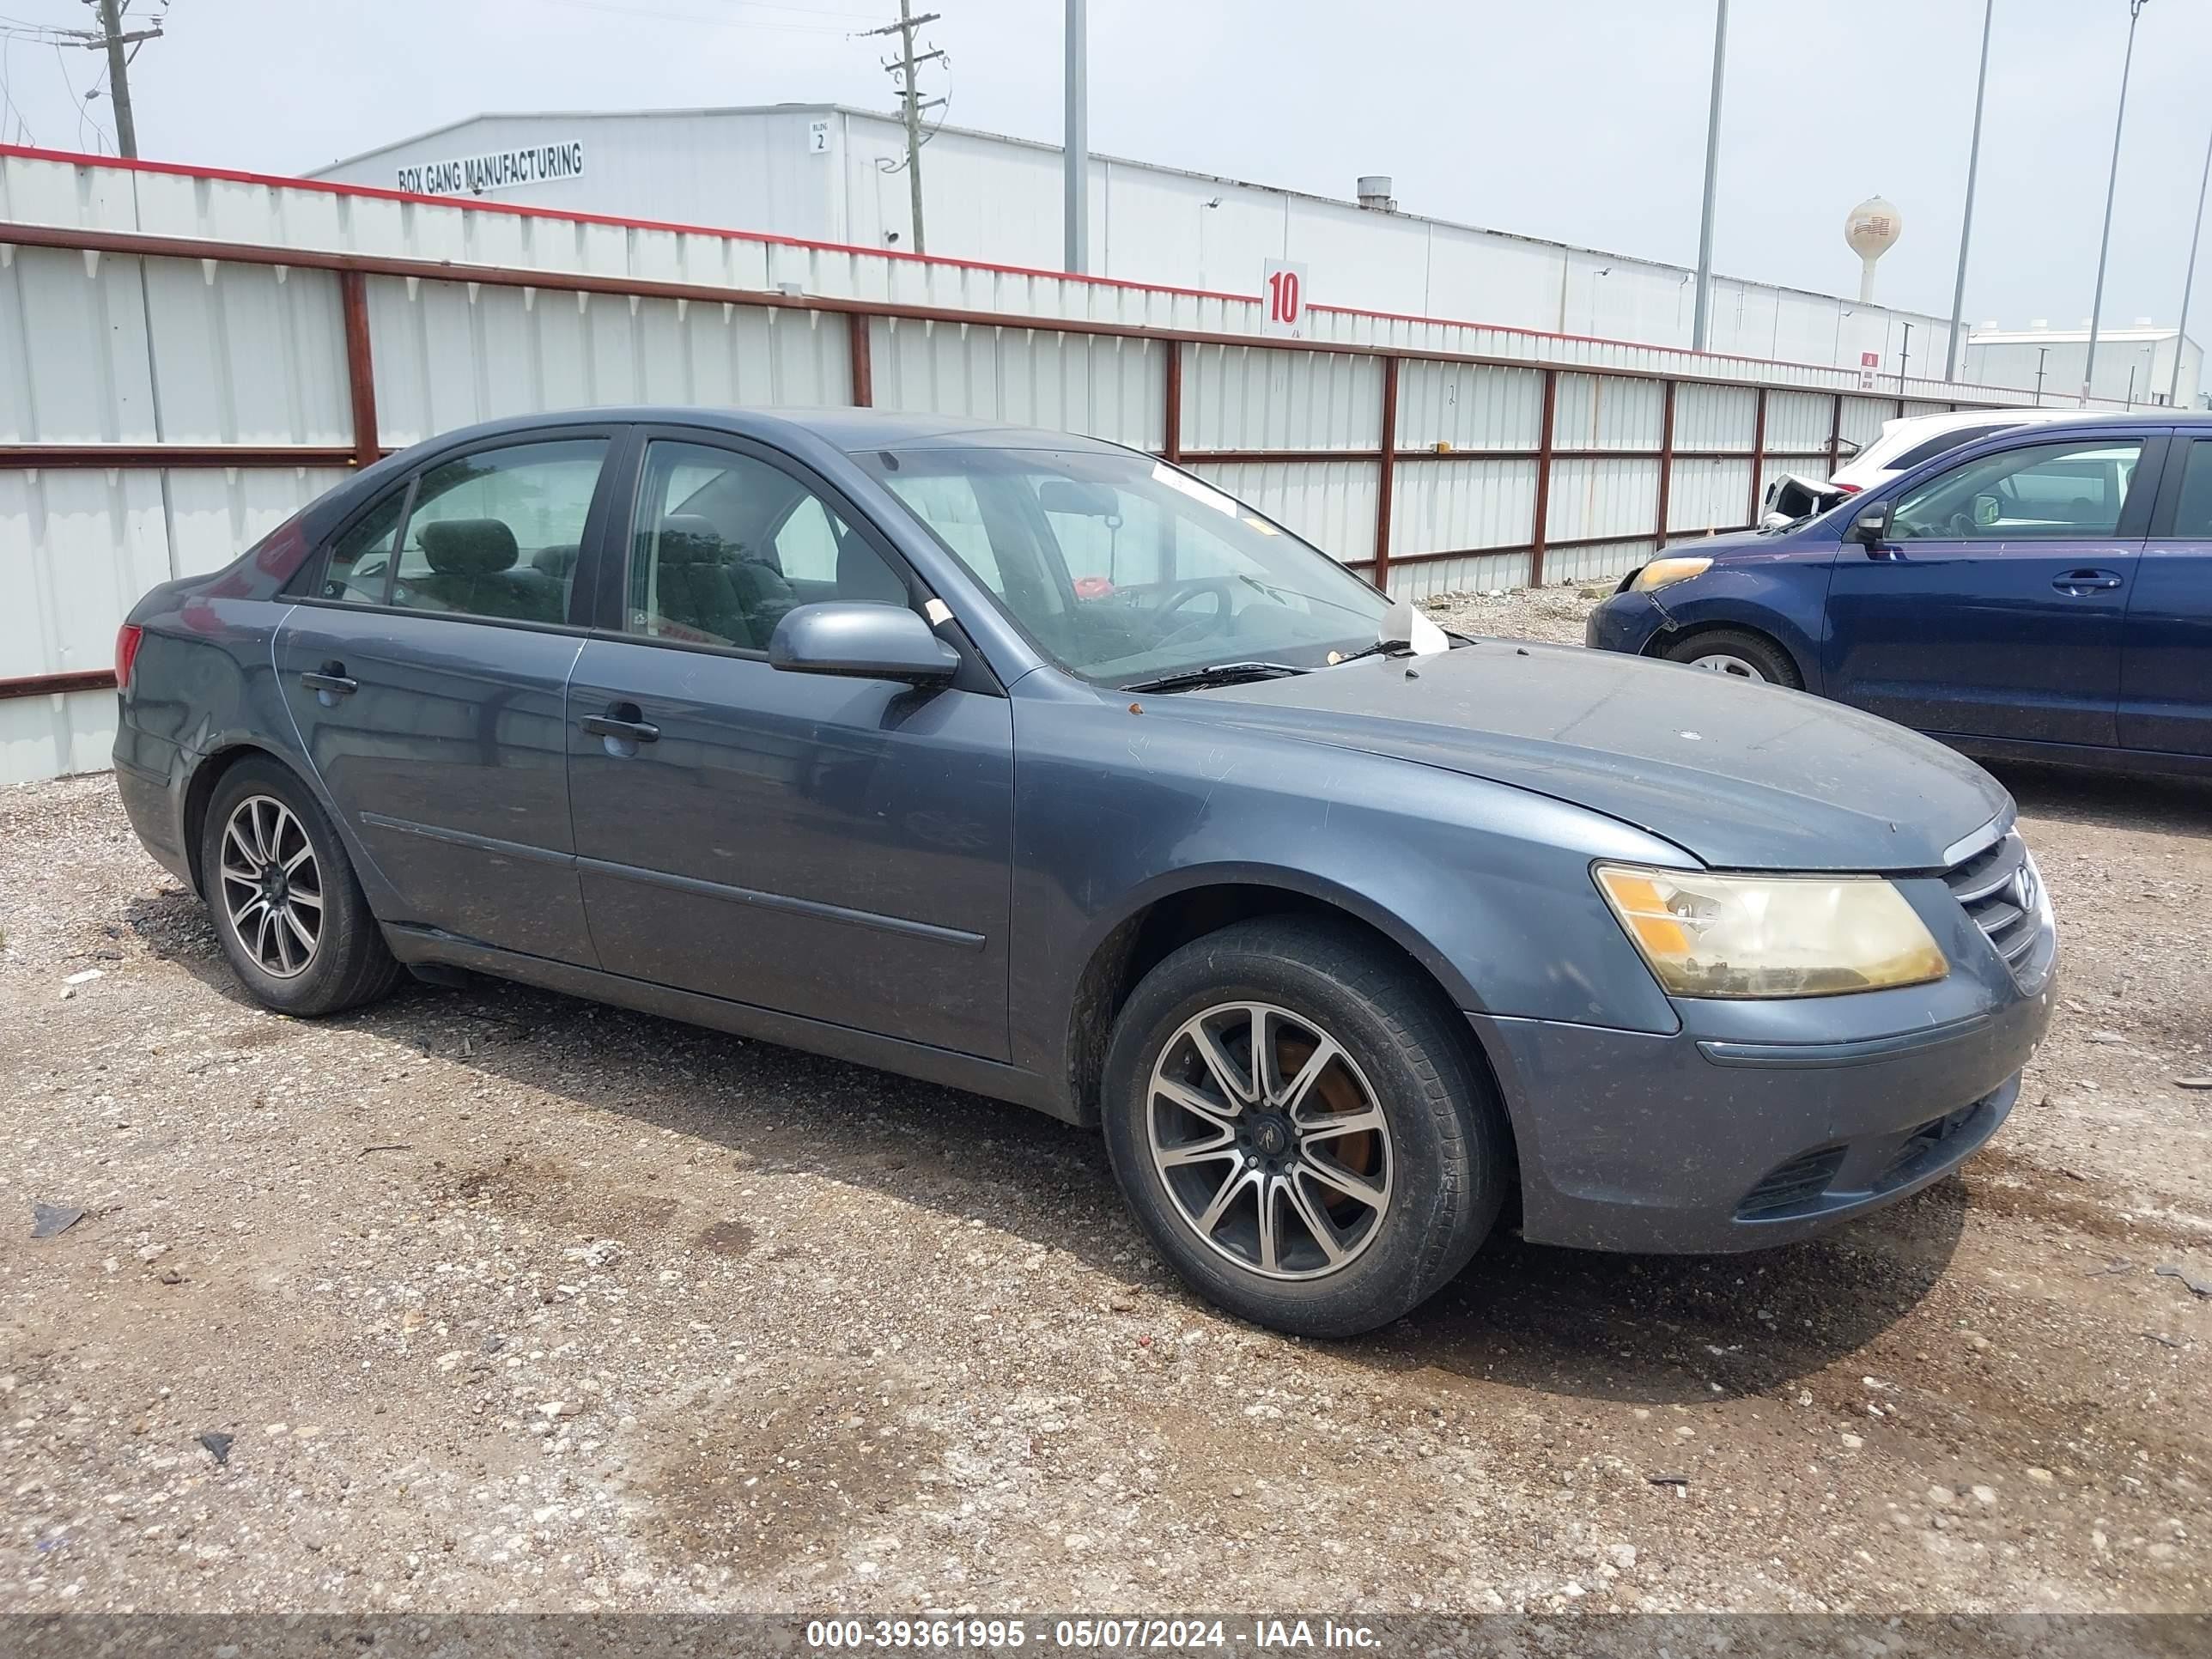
(1771, 936)
(1664, 573)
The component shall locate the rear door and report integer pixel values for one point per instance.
(2166, 664)
(1995, 608)
(840, 849)
(426, 668)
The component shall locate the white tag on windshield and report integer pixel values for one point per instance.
(1404, 624)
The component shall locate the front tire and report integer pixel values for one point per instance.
(1739, 654)
(288, 910)
(1345, 1179)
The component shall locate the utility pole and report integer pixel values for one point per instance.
(1967, 221)
(1076, 145)
(904, 66)
(2042, 355)
(112, 39)
(2111, 185)
(2188, 281)
(1703, 315)
(1903, 356)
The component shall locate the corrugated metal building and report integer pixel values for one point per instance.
(2135, 363)
(820, 171)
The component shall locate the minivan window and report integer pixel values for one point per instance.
(2192, 515)
(2056, 491)
(496, 532)
(1943, 443)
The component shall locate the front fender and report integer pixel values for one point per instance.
(1784, 599)
(1487, 885)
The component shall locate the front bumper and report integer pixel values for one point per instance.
(1626, 621)
(1687, 1143)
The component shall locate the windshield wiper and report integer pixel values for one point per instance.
(1220, 673)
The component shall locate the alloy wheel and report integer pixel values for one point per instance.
(1269, 1140)
(273, 886)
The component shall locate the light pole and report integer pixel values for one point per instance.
(1966, 220)
(1076, 145)
(2105, 243)
(2189, 281)
(1702, 316)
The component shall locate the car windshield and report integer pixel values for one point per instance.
(1122, 568)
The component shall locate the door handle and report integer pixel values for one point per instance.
(331, 680)
(2085, 581)
(623, 720)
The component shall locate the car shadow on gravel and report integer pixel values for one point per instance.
(1643, 1329)
(2110, 800)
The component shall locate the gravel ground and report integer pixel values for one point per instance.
(507, 1301)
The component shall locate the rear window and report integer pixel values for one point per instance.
(1944, 442)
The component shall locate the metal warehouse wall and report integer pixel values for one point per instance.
(186, 357)
(991, 198)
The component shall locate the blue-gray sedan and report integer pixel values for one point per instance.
(1036, 766)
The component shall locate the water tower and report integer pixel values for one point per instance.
(1872, 230)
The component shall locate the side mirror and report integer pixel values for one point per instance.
(861, 641)
(1871, 528)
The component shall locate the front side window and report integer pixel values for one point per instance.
(1124, 568)
(724, 544)
(2042, 492)
(497, 532)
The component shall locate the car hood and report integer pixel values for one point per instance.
(1744, 776)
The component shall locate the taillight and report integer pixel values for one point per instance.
(1850, 489)
(127, 639)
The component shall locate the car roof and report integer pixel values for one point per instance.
(845, 428)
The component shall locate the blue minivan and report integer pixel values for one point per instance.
(2044, 594)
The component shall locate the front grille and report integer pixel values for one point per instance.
(1791, 1185)
(1999, 888)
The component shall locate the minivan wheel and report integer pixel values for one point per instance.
(287, 908)
(1296, 1124)
(1742, 655)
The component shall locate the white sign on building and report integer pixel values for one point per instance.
(498, 170)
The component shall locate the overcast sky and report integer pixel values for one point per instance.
(1582, 120)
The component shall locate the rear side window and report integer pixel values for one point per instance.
(496, 533)
(360, 564)
(2192, 515)
(1943, 444)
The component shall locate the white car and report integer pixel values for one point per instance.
(1904, 444)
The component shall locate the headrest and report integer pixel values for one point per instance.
(558, 563)
(468, 547)
(687, 538)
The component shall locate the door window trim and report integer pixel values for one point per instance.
(315, 570)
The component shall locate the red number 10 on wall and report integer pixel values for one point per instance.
(1283, 299)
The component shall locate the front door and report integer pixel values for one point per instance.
(839, 849)
(2166, 667)
(1994, 608)
(426, 667)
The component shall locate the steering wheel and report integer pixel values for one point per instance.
(1203, 628)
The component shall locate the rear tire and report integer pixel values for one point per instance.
(286, 905)
(1739, 654)
(1263, 1204)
